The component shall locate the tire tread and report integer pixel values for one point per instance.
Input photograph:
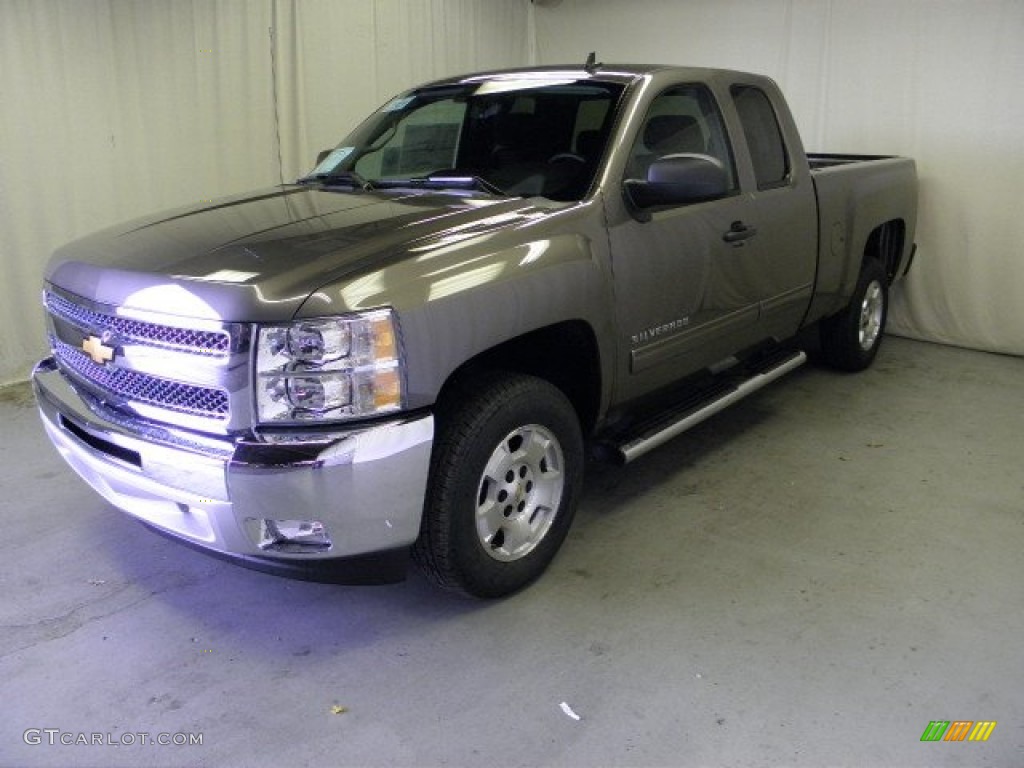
(839, 344)
(465, 410)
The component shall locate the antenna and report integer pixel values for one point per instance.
(592, 64)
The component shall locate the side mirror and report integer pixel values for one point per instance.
(678, 180)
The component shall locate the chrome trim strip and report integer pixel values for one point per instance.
(129, 386)
(179, 337)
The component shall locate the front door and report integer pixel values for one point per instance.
(688, 280)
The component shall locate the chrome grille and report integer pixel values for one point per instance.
(132, 386)
(191, 341)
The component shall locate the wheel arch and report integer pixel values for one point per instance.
(566, 354)
(885, 243)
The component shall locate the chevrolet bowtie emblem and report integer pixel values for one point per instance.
(97, 350)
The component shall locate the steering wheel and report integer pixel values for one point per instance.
(561, 156)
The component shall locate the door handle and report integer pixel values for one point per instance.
(739, 232)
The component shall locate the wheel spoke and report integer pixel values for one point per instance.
(518, 534)
(499, 464)
(871, 311)
(540, 455)
(489, 519)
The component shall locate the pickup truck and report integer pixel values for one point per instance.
(411, 352)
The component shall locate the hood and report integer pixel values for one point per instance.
(257, 257)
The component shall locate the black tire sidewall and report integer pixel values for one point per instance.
(841, 334)
(501, 406)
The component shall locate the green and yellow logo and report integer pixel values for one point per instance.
(958, 730)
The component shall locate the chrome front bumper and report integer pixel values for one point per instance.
(365, 486)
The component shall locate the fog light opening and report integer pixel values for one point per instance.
(296, 536)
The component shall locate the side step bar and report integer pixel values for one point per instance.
(675, 423)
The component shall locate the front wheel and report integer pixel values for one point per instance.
(505, 477)
(850, 340)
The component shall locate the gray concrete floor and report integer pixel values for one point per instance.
(807, 579)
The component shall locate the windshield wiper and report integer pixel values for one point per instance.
(443, 181)
(350, 178)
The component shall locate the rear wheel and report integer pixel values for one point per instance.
(505, 477)
(850, 340)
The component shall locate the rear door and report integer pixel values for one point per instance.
(784, 208)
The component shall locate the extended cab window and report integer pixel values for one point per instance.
(682, 120)
(764, 137)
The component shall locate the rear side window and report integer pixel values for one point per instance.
(764, 137)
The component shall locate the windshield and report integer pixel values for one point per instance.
(514, 137)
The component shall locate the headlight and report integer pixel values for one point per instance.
(328, 369)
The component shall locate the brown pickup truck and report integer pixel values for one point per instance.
(412, 348)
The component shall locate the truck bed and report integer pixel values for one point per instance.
(819, 160)
(856, 194)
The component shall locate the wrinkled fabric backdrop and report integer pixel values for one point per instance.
(110, 109)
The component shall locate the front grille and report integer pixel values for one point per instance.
(131, 386)
(191, 341)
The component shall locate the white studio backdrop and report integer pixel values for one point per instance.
(111, 109)
(941, 81)
(115, 108)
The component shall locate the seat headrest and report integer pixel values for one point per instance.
(668, 134)
(589, 143)
(518, 129)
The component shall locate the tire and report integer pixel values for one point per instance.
(505, 477)
(850, 340)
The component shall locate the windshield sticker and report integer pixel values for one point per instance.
(397, 104)
(333, 159)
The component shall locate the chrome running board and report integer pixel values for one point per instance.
(677, 421)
